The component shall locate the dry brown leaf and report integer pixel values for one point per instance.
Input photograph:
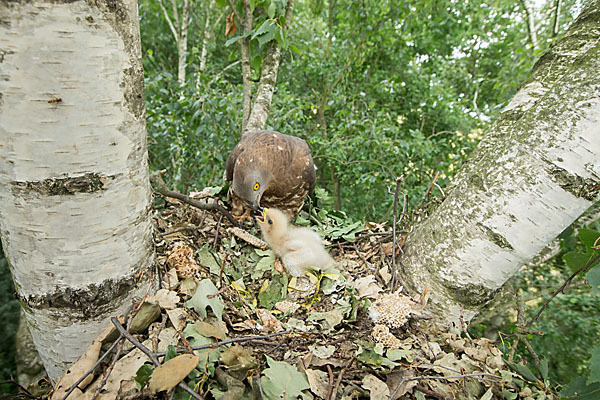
(209, 330)
(168, 375)
(188, 286)
(170, 279)
(318, 381)
(166, 299)
(81, 366)
(367, 287)
(377, 388)
(127, 366)
(230, 27)
(267, 319)
(178, 318)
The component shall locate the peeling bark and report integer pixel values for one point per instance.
(535, 172)
(74, 187)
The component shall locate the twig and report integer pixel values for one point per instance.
(436, 377)
(26, 392)
(563, 286)
(235, 340)
(429, 188)
(339, 378)
(183, 228)
(431, 393)
(91, 369)
(150, 355)
(161, 187)
(108, 371)
(330, 382)
(364, 260)
(393, 280)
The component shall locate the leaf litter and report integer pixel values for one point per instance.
(228, 324)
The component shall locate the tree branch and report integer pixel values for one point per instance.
(173, 30)
(150, 355)
(161, 187)
(268, 78)
(562, 287)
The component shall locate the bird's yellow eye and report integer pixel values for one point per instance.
(256, 186)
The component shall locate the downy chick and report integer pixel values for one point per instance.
(299, 248)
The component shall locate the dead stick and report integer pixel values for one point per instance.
(431, 393)
(150, 355)
(111, 348)
(330, 382)
(235, 340)
(338, 381)
(161, 187)
(437, 173)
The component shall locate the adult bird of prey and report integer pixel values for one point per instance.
(270, 169)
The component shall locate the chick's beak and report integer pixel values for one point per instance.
(260, 214)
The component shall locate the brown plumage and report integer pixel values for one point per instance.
(299, 248)
(270, 169)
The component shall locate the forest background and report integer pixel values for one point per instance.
(379, 89)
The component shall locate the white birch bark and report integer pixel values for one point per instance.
(535, 172)
(74, 186)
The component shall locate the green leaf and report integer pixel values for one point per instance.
(208, 357)
(170, 353)
(594, 366)
(576, 260)
(593, 277)
(588, 237)
(267, 37)
(544, 368)
(271, 10)
(263, 265)
(263, 28)
(232, 40)
(142, 376)
(578, 390)
(282, 381)
(148, 314)
(200, 300)
(256, 62)
(276, 291)
(206, 258)
(295, 49)
(524, 371)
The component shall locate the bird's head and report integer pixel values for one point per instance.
(272, 221)
(250, 184)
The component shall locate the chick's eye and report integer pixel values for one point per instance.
(270, 222)
(256, 186)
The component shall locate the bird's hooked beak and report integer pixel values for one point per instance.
(261, 214)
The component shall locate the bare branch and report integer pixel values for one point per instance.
(166, 14)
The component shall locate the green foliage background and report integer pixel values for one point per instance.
(404, 88)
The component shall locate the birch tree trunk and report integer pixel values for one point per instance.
(534, 173)
(531, 29)
(261, 106)
(74, 189)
